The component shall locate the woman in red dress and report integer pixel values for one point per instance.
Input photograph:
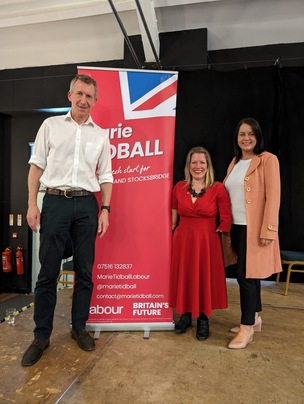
(198, 282)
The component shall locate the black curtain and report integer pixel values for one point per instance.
(291, 154)
(210, 104)
(5, 163)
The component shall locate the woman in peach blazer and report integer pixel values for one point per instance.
(253, 184)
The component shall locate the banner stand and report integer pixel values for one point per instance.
(145, 327)
(131, 272)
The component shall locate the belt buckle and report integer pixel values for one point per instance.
(68, 193)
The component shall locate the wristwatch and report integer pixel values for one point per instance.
(108, 208)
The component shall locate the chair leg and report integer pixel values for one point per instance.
(72, 291)
(287, 279)
(278, 278)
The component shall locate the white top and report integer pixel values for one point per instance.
(235, 187)
(72, 155)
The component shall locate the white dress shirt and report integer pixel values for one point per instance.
(235, 187)
(71, 155)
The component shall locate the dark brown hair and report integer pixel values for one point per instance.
(256, 129)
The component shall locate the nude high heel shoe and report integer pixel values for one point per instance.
(257, 327)
(240, 345)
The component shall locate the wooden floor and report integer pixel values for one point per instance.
(166, 368)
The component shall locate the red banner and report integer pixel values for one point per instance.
(132, 264)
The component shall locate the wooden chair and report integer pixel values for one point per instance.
(66, 275)
(292, 259)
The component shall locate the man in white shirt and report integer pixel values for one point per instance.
(71, 159)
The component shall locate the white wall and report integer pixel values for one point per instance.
(240, 23)
(35, 247)
(40, 32)
(69, 41)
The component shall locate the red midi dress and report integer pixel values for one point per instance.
(198, 281)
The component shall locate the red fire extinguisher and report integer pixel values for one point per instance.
(7, 260)
(19, 261)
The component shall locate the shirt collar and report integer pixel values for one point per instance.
(89, 121)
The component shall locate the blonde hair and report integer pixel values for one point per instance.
(210, 170)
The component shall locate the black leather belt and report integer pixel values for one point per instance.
(68, 193)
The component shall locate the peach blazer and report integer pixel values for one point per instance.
(262, 197)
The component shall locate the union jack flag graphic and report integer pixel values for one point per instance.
(148, 95)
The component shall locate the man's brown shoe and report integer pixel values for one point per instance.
(83, 339)
(35, 351)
